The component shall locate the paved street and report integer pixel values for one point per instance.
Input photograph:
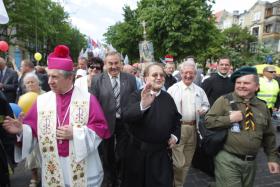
(195, 178)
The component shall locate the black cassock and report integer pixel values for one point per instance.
(148, 160)
(6, 142)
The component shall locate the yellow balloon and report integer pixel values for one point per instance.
(26, 101)
(37, 56)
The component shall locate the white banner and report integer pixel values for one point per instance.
(4, 18)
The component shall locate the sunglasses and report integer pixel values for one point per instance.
(95, 67)
(271, 71)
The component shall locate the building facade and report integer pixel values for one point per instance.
(262, 20)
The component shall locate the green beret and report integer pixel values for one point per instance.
(245, 70)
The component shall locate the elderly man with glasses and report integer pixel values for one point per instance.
(269, 88)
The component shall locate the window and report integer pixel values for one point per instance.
(255, 31)
(253, 47)
(268, 12)
(277, 27)
(241, 21)
(268, 28)
(257, 16)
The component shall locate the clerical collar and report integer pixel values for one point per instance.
(157, 93)
(68, 90)
(224, 76)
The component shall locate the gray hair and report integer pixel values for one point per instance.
(67, 74)
(31, 75)
(256, 79)
(188, 63)
(111, 53)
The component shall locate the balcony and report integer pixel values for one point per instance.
(271, 35)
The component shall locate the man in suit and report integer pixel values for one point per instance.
(8, 81)
(112, 88)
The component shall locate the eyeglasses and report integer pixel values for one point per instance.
(271, 71)
(94, 66)
(157, 74)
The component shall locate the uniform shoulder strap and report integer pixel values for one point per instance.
(233, 104)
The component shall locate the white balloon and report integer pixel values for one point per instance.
(4, 18)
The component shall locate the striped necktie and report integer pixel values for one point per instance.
(116, 91)
(249, 122)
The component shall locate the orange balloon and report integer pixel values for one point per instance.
(26, 101)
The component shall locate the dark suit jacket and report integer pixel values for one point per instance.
(10, 81)
(101, 87)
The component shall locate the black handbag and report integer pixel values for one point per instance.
(209, 143)
(212, 140)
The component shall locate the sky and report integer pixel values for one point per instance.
(93, 17)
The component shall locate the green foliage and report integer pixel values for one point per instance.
(124, 36)
(181, 28)
(236, 45)
(177, 27)
(42, 19)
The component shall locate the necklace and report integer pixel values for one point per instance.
(61, 124)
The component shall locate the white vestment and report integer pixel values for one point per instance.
(82, 167)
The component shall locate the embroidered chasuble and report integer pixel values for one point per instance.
(66, 163)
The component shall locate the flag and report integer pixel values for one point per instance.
(93, 43)
(162, 61)
(111, 48)
(4, 18)
(99, 44)
(81, 54)
(89, 43)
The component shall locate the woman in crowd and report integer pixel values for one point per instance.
(32, 84)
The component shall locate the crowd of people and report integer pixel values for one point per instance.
(114, 125)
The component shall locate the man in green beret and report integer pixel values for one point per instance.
(249, 128)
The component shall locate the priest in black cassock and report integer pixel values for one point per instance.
(154, 125)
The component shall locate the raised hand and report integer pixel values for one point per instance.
(146, 96)
(11, 125)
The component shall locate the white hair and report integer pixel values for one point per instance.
(31, 75)
(188, 63)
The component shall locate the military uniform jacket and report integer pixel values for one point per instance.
(246, 142)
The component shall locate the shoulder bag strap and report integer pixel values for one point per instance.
(233, 104)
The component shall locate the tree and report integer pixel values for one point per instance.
(179, 28)
(236, 45)
(125, 36)
(40, 25)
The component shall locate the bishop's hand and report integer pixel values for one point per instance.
(147, 97)
(64, 132)
(13, 126)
